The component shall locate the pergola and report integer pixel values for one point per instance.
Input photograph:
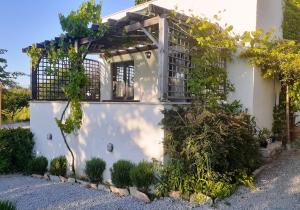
(150, 28)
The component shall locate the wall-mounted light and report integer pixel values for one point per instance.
(110, 147)
(49, 136)
(148, 54)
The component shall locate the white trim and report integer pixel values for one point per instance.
(117, 102)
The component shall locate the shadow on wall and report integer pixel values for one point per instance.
(132, 128)
(145, 80)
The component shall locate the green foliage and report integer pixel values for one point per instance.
(16, 149)
(208, 148)
(211, 44)
(142, 175)
(120, 173)
(58, 166)
(246, 180)
(194, 179)
(278, 125)
(14, 101)
(291, 20)
(227, 138)
(7, 205)
(263, 135)
(137, 2)
(76, 25)
(38, 165)
(94, 169)
(7, 78)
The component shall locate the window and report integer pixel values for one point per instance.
(123, 80)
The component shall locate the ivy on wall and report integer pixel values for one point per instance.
(291, 20)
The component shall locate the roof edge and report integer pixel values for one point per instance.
(136, 7)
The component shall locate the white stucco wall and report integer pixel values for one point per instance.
(270, 15)
(145, 80)
(266, 93)
(240, 14)
(132, 128)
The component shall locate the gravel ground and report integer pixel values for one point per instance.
(278, 187)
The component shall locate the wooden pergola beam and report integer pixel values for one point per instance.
(144, 24)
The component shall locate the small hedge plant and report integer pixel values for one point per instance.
(120, 173)
(142, 176)
(16, 149)
(94, 169)
(7, 205)
(38, 165)
(58, 166)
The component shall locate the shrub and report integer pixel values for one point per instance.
(7, 205)
(208, 148)
(16, 149)
(263, 136)
(38, 165)
(226, 137)
(120, 170)
(58, 166)
(94, 169)
(142, 175)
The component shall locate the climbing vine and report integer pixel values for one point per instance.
(277, 58)
(75, 26)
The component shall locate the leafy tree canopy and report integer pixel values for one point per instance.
(7, 78)
(14, 100)
(137, 2)
(276, 58)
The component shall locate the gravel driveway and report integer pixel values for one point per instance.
(278, 187)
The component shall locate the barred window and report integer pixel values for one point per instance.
(123, 80)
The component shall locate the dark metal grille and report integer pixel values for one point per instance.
(47, 85)
(180, 63)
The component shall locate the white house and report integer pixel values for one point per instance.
(124, 103)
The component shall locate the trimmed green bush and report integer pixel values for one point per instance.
(7, 205)
(142, 175)
(16, 149)
(38, 165)
(94, 169)
(58, 166)
(120, 173)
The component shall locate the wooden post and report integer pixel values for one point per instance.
(287, 114)
(163, 50)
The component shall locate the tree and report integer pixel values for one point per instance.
(137, 2)
(75, 26)
(14, 100)
(7, 78)
(277, 58)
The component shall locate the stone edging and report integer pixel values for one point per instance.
(105, 188)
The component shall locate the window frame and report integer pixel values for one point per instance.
(125, 64)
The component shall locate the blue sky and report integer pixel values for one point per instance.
(23, 22)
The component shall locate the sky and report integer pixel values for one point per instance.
(23, 22)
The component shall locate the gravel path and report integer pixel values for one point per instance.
(278, 187)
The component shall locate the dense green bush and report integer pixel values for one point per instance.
(142, 175)
(120, 173)
(225, 135)
(38, 165)
(94, 169)
(7, 205)
(208, 149)
(16, 149)
(58, 166)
